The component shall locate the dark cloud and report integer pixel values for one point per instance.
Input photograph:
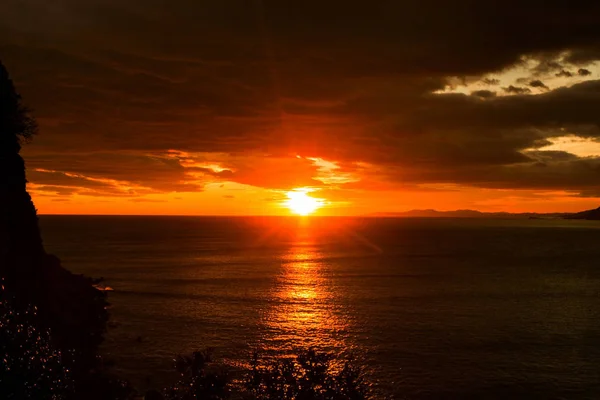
(116, 84)
(550, 156)
(583, 72)
(516, 90)
(572, 175)
(55, 179)
(564, 73)
(548, 172)
(584, 55)
(566, 107)
(538, 84)
(57, 190)
(484, 94)
(60, 183)
(594, 192)
(457, 139)
(142, 200)
(490, 81)
(146, 172)
(547, 64)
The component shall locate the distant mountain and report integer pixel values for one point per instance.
(470, 214)
(588, 214)
(436, 214)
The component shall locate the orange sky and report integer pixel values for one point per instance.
(200, 108)
(253, 203)
(223, 197)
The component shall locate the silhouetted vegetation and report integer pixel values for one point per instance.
(199, 379)
(309, 376)
(16, 122)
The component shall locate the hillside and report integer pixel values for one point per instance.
(466, 214)
(588, 214)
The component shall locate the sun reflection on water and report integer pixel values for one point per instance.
(304, 310)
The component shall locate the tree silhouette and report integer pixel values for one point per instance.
(17, 212)
(16, 123)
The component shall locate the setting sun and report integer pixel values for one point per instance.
(301, 203)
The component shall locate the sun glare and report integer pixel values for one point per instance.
(301, 203)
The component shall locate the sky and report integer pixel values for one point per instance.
(225, 106)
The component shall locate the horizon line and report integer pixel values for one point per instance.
(385, 214)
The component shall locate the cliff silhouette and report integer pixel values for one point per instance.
(60, 312)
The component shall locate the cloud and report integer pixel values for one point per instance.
(55, 189)
(584, 55)
(64, 183)
(116, 85)
(564, 73)
(484, 94)
(516, 90)
(547, 63)
(141, 173)
(583, 72)
(491, 81)
(538, 84)
(143, 200)
(550, 156)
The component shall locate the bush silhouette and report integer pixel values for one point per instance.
(16, 122)
(200, 379)
(311, 375)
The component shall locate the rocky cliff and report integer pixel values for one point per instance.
(67, 305)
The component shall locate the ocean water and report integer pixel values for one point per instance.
(434, 308)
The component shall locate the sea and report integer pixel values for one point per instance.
(436, 308)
